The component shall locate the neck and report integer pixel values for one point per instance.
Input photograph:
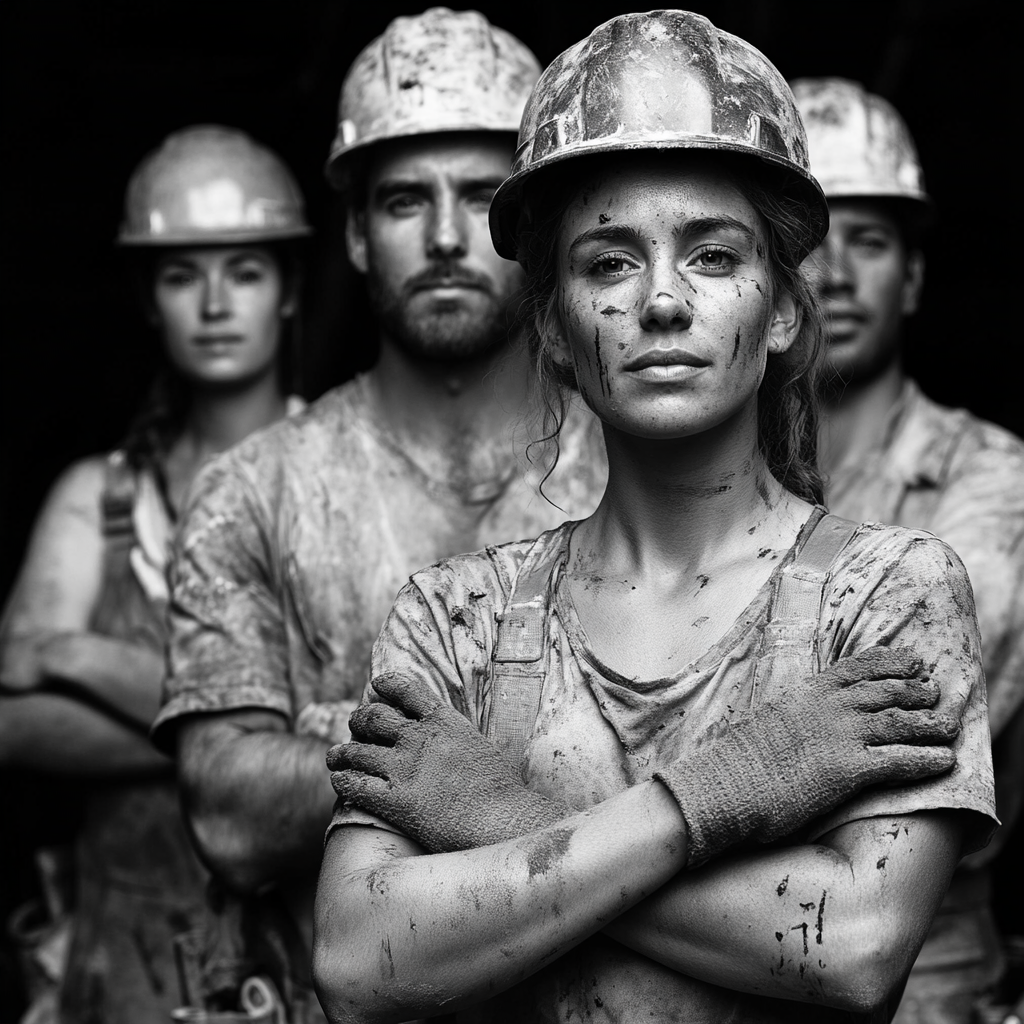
(854, 418)
(673, 504)
(426, 403)
(219, 419)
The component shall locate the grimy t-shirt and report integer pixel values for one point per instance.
(599, 732)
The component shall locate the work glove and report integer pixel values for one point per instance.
(420, 765)
(780, 765)
(423, 767)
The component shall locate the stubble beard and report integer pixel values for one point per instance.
(450, 333)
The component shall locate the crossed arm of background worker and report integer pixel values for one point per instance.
(74, 701)
(487, 833)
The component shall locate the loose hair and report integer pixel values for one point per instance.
(787, 399)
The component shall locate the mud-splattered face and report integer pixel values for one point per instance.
(220, 310)
(664, 292)
(438, 287)
(867, 283)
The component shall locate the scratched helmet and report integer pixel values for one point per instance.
(659, 81)
(440, 71)
(210, 185)
(859, 144)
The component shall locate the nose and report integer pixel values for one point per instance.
(446, 232)
(216, 300)
(665, 308)
(831, 269)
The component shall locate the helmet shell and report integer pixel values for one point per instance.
(660, 80)
(859, 144)
(440, 71)
(210, 185)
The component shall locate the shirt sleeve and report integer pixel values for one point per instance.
(906, 588)
(227, 644)
(439, 633)
(980, 515)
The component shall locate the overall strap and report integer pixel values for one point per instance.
(519, 660)
(789, 644)
(117, 503)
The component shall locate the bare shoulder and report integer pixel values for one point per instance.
(79, 488)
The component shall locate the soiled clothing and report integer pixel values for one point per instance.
(598, 732)
(295, 543)
(945, 471)
(139, 883)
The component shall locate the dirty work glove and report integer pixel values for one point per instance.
(423, 767)
(780, 765)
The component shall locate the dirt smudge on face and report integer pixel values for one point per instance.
(603, 218)
(612, 311)
(735, 348)
(547, 850)
(602, 370)
(821, 915)
(783, 886)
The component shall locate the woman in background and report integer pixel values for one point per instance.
(211, 226)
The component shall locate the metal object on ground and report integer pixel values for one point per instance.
(859, 144)
(658, 81)
(210, 185)
(440, 71)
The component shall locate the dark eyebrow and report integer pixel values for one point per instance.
(398, 186)
(706, 225)
(608, 233)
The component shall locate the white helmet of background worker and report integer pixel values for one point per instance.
(859, 145)
(211, 185)
(622, 88)
(440, 71)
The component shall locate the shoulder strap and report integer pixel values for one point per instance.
(789, 642)
(519, 659)
(117, 503)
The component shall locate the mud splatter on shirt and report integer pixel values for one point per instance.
(598, 732)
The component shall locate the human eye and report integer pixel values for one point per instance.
(714, 259)
(176, 277)
(248, 273)
(481, 198)
(404, 204)
(611, 265)
(872, 242)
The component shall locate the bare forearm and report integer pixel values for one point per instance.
(259, 804)
(53, 733)
(806, 923)
(124, 676)
(459, 927)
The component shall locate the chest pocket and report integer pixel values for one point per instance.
(519, 661)
(789, 643)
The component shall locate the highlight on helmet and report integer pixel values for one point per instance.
(210, 185)
(440, 71)
(656, 81)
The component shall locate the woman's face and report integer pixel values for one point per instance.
(220, 310)
(664, 297)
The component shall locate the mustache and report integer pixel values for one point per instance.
(446, 273)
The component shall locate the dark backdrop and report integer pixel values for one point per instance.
(90, 87)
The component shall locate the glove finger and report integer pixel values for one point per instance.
(894, 725)
(904, 763)
(408, 695)
(875, 663)
(377, 723)
(909, 694)
(365, 791)
(368, 758)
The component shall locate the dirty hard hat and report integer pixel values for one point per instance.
(659, 81)
(441, 71)
(210, 185)
(859, 144)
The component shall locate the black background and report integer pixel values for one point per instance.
(89, 88)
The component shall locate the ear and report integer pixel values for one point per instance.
(355, 239)
(288, 306)
(913, 282)
(786, 324)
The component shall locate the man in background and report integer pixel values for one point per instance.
(892, 455)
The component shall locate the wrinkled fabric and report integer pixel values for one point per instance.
(945, 471)
(599, 732)
(139, 883)
(295, 543)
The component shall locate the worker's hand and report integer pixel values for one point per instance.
(783, 763)
(21, 670)
(423, 767)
